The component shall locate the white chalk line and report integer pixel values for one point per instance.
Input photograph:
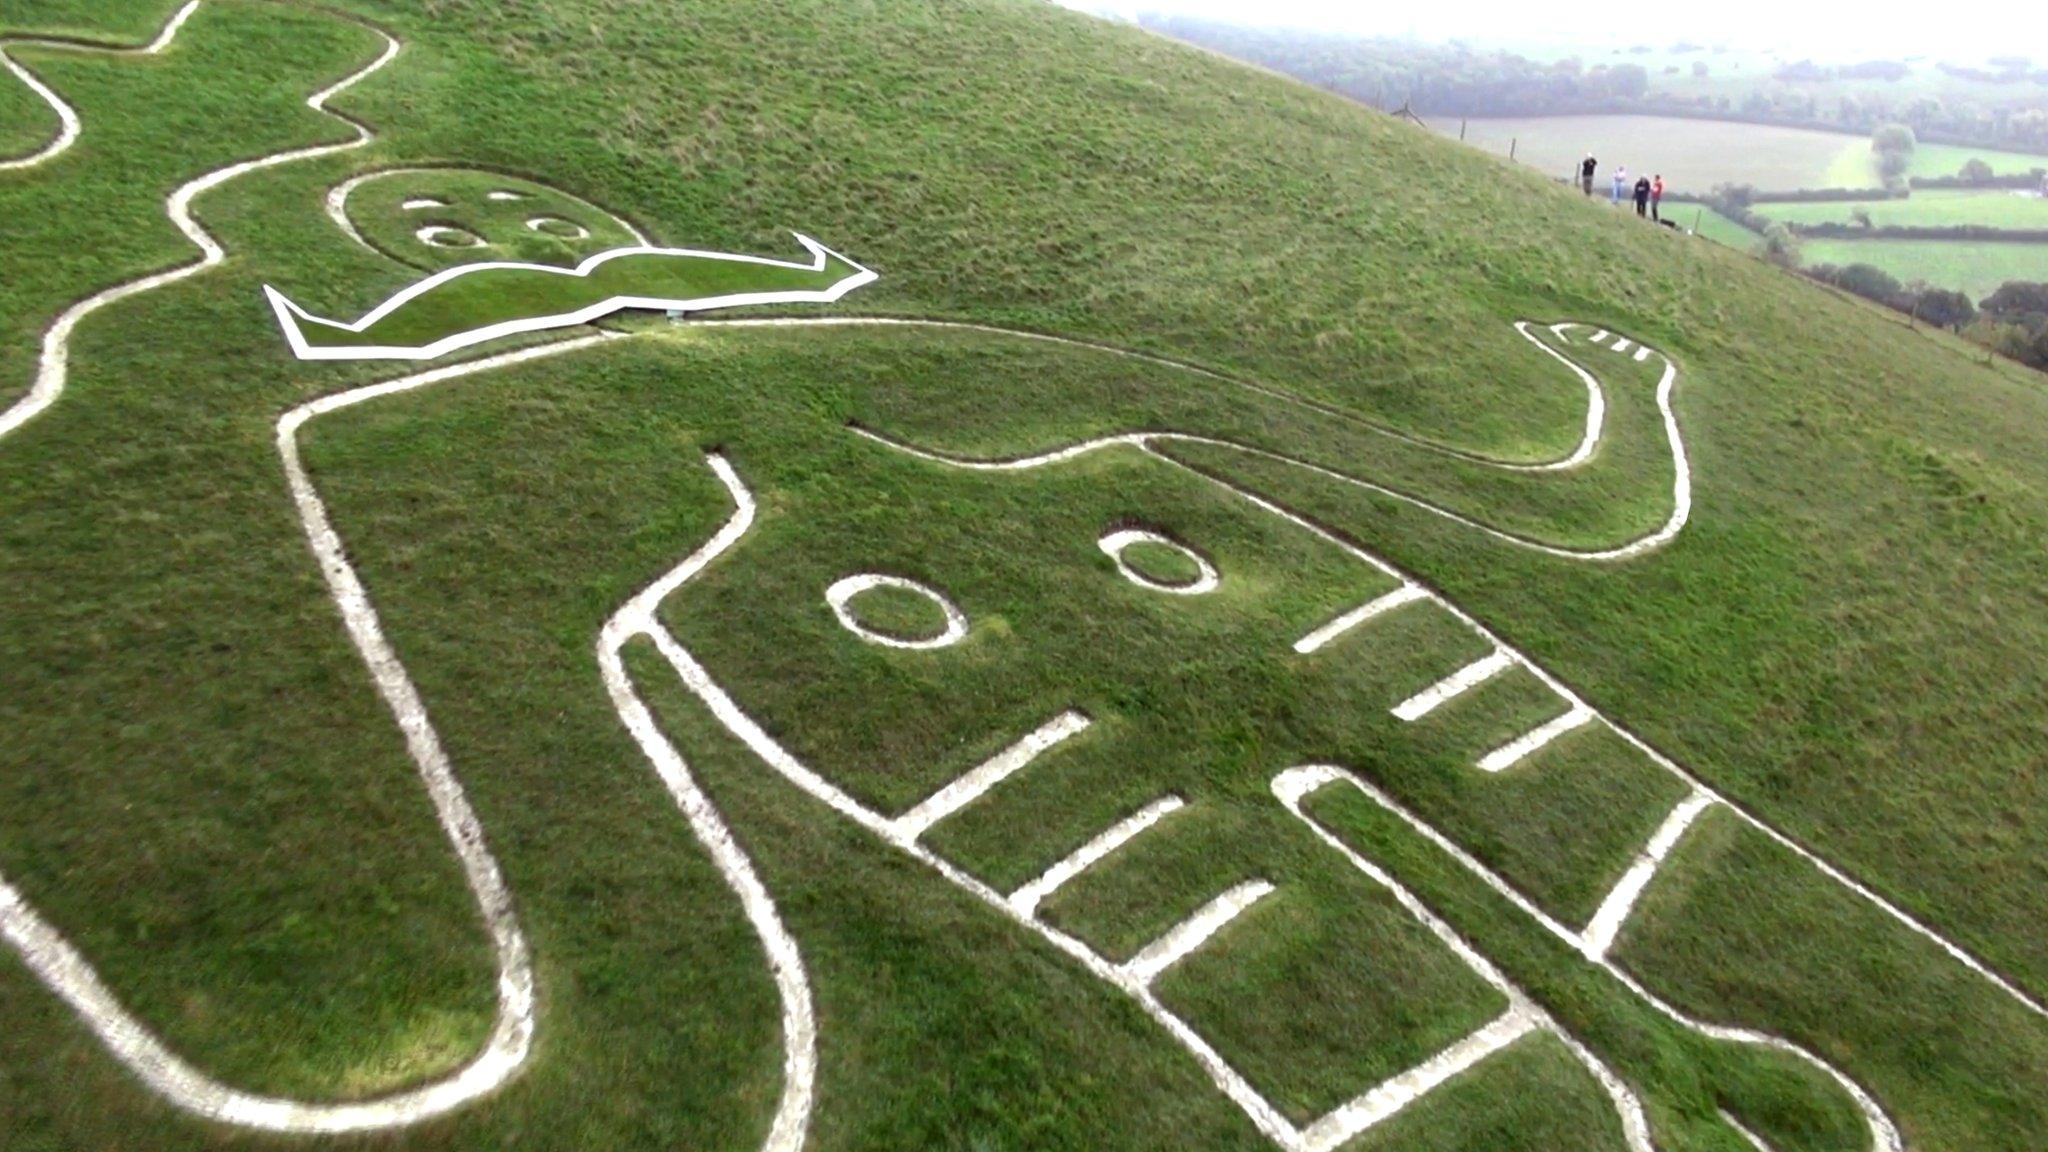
(1134, 978)
(1321, 638)
(69, 127)
(839, 597)
(338, 197)
(70, 976)
(1535, 740)
(293, 320)
(544, 226)
(1585, 448)
(442, 236)
(1601, 931)
(1350, 1119)
(1025, 900)
(1453, 686)
(1683, 485)
(637, 618)
(1301, 782)
(53, 369)
(1755, 1141)
(1295, 785)
(1206, 580)
(975, 784)
(1180, 941)
(1226, 1079)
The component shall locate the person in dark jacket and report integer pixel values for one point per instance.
(1586, 170)
(1643, 197)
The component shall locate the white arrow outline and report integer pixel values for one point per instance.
(289, 315)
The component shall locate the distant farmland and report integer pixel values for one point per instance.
(1926, 209)
(1976, 269)
(1695, 155)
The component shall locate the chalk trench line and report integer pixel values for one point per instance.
(48, 954)
(638, 619)
(69, 975)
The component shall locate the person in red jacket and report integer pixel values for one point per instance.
(1657, 200)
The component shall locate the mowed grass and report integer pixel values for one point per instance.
(203, 791)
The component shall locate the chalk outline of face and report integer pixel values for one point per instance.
(338, 199)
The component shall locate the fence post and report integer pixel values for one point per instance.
(1462, 125)
(1512, 145)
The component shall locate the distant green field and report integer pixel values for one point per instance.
(1712, 225)
(1934, 209)
(1973, 268)
(1692, 155)
(1977, 269)
(1948, 159)
(1695, 155)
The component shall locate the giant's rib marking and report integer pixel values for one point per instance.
(1027, 899)
(1293, 786)
(998, 768)
(1183, 938)
(1621, 900)
(1681, 514)
(1514, 751)
(1352, 1118)
(1453, 686)
(1321, 637)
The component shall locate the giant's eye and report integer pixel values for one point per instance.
(558, 227)
(1153, 561)
(895, 612)
(448, 236)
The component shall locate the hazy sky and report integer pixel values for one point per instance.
(1986, 27)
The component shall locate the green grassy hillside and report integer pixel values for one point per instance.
(199, 786)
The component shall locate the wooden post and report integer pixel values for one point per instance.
(1462, 125)
(1698, 215)
(1513, 145)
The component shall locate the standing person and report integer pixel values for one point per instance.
(1643, 197)
(1586, 169)
(1620, 184)
(1657, 199)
